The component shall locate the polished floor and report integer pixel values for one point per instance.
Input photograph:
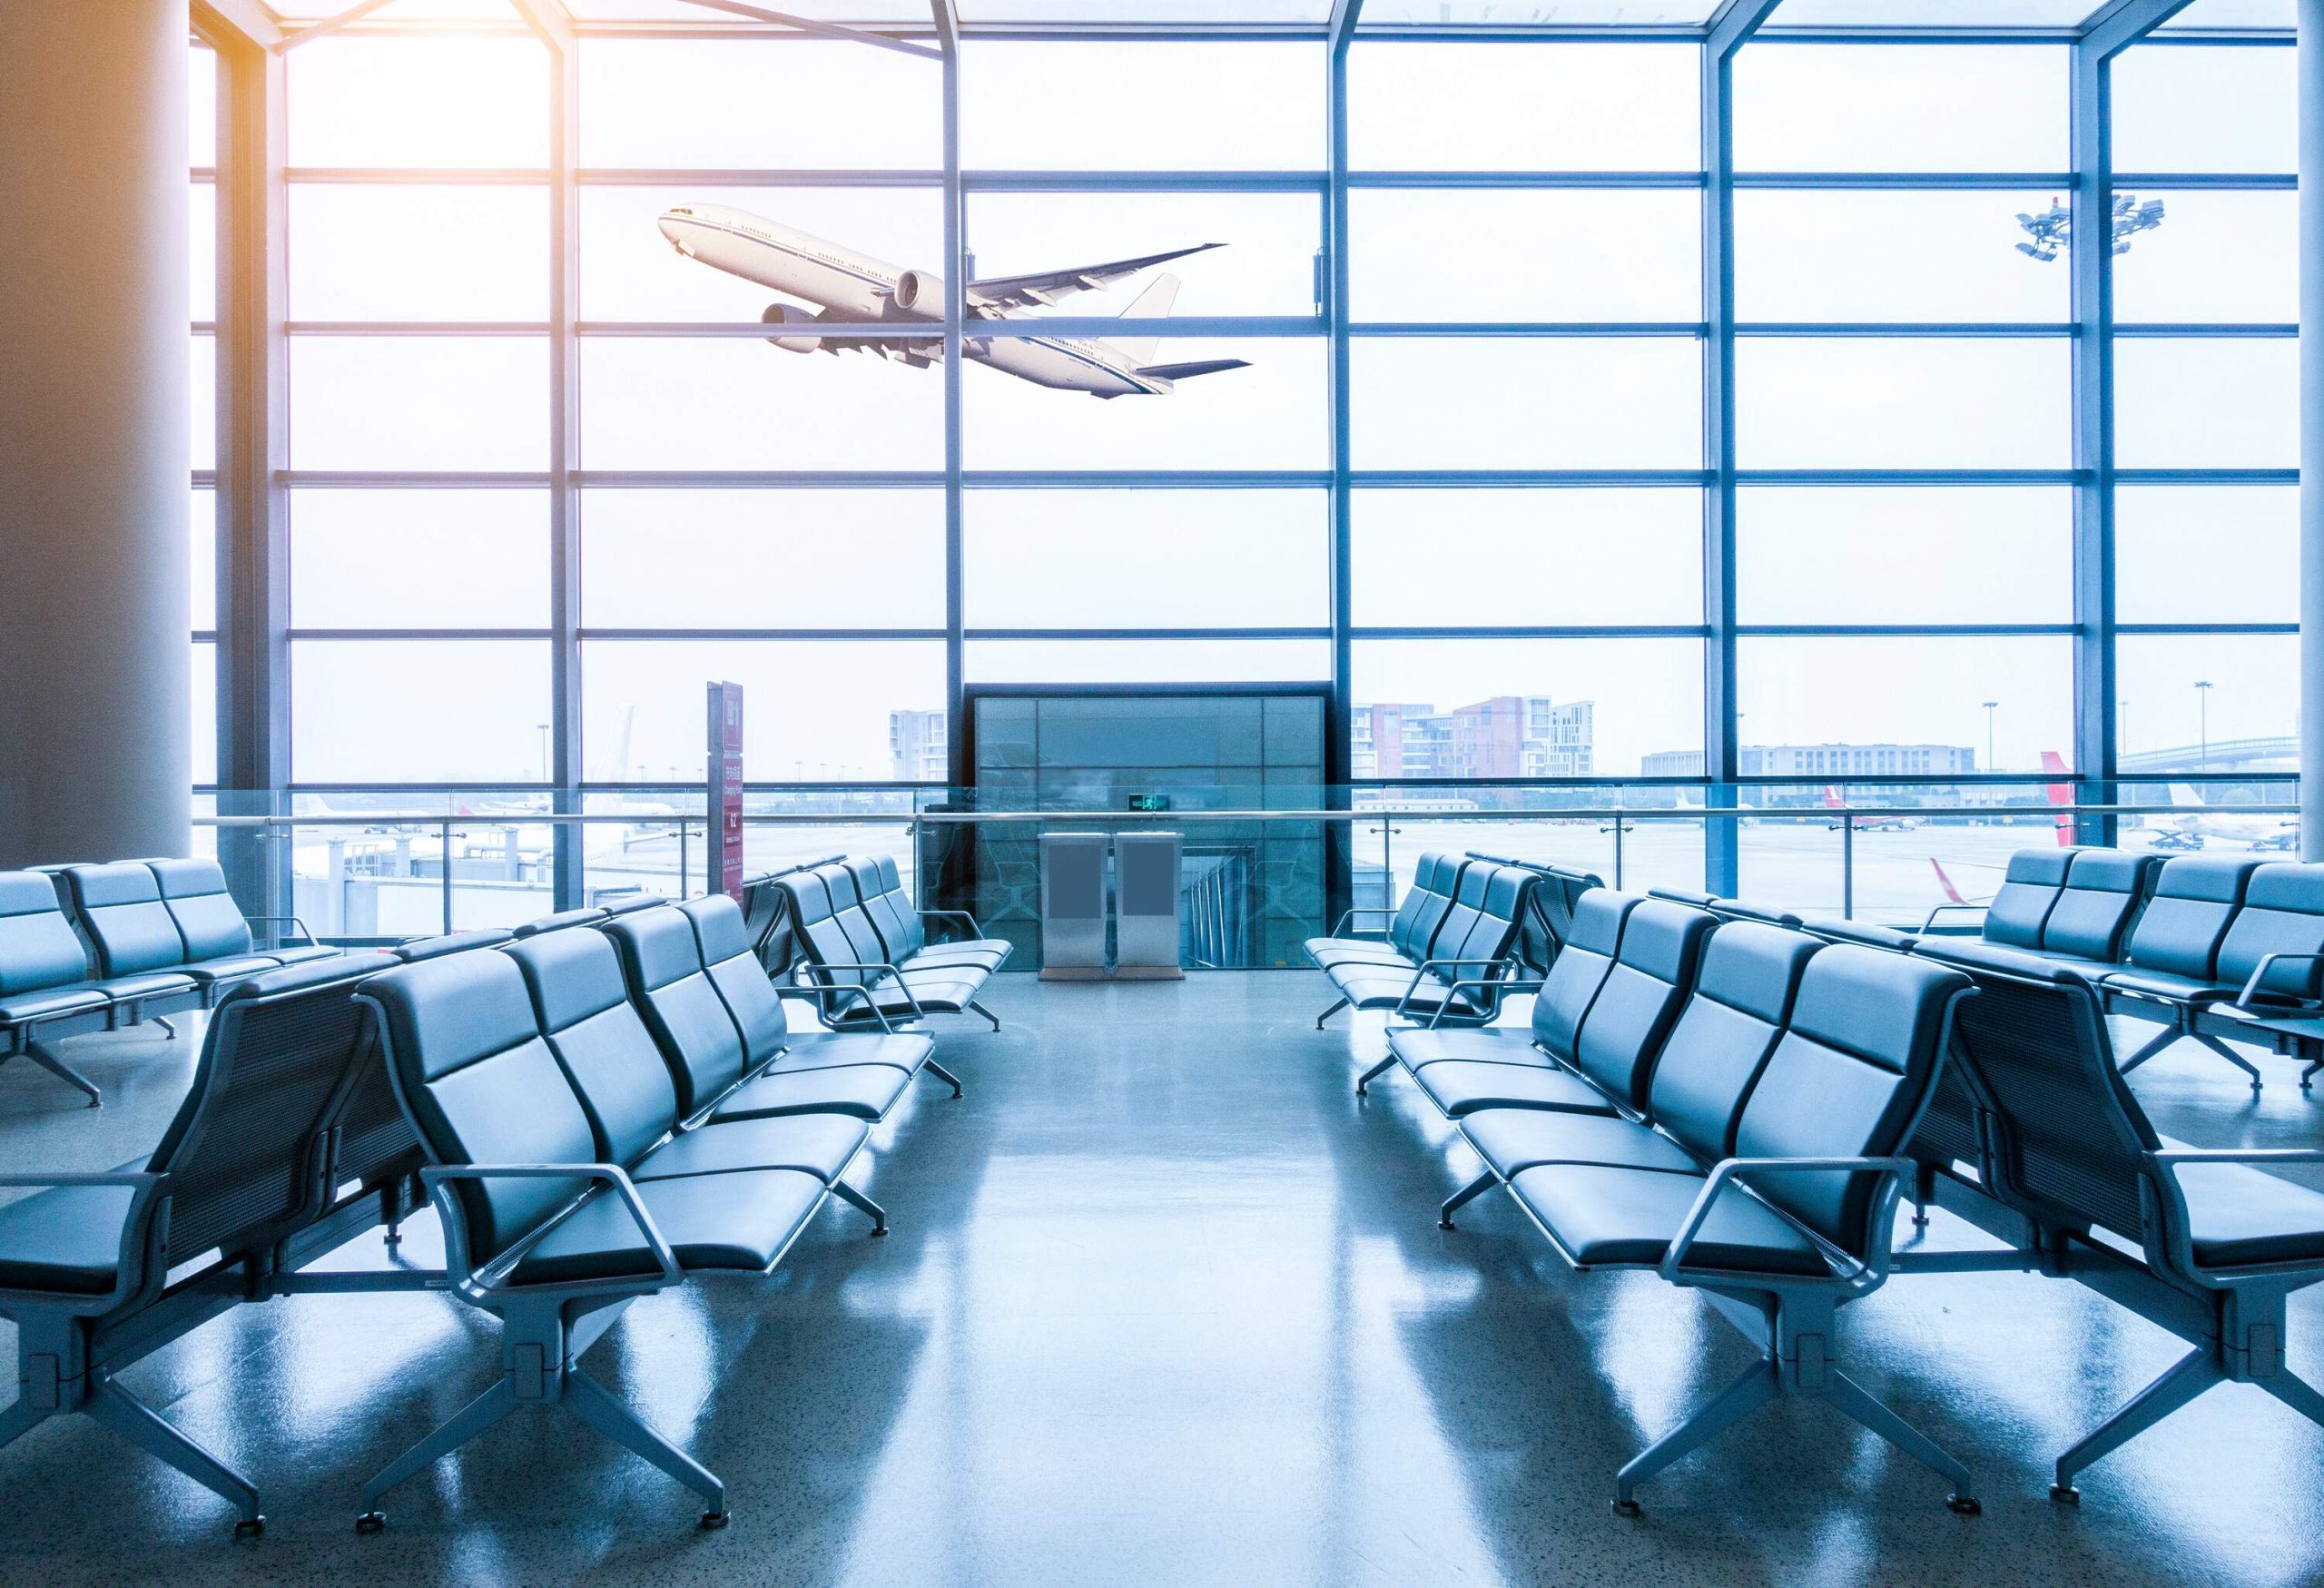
(1165, 1302)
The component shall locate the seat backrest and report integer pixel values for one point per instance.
(1493, 929)
(891, 887)
(1848, 1077)
(816, 926)
(1430, 896)
(2067, 1136)
(581, 1000)
(891, 913)
(245, 1154)
(865, 946)
(2103, 890)
(1461, 915)
(2283, 913)
(450, 942)
(2196, 897)
(209, 923)
(481, 1086)
(1662, 943)
(38, 947)
(121, 911)
(1742, 996)
(742, 984)
(759, 904)
(1425, 890)
(1759, 914)
(1573, 982)
(2029, 892)
(1548, 922)
(588, 915)
(663, 965)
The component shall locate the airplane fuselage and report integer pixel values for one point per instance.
(853, 289)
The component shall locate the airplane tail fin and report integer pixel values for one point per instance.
(1832, 801)
(1951, 893)
(2061, 793)
(1154, 303)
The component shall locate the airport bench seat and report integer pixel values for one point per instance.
(1406, 931)
(845, 962)
(1611, 1215)
(67, 1239)
(48, 988)
(876, 887)
(1469, 965)
(740, 1221)
(1460, 1086)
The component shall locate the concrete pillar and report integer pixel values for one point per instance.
(94, 709)
(2312, 429)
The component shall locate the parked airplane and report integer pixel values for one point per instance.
(2270, 829)
(851, 289)
(1833, 801)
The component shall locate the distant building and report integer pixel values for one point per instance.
(1508, 736)
(918, 750)
(1825, 763)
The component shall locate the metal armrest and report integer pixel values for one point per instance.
(955, 916)
(817, 995)
(1421, 973)
(1480, 983)
(492, 1276)
(2260, 974)
(2165, 1164)
(1930, 921)
(1340, 925)
(304, 931)
(917, 1012)
(1865, 1275)
(127, 1280)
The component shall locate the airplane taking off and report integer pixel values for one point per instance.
(851, 289)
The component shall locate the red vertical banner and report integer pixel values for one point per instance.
(725, 759)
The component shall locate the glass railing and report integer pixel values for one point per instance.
(374, 865)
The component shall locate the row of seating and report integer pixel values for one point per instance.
(861, 946)
(1725, 1104)
(597, 1107)
(105, 947)
(1448, 954)
(1659, 1043)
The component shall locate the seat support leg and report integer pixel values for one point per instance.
(929, 1067)
(1923, 1192)
(1329, 1012)
(169, 1028)
(864, 1204)
(469, 1421)
(987, 1014)
(595, 1406)
(1758, 1386)
(1464, 1196)
(2193, 1373)
(114, 1409)
(2153, 1045)
(1364, 1081)
(2307, 1076)
(45, 1057)
(2231, 1056)
(1851, 1400)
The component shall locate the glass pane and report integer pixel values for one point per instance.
(202, 557)
(2208, 703)
(1558, 556)
(2203, 108)
(202, 250)
(2238, 13)
(2217, 258)
(374, 252)
(1267, 265)
(204, 687)
(1049, 106)
(630, 271)
(782, 105)
(763, 559)
(1900, 107)
(1532, 402)
(201, 105)
(1557, 255)
(1147, 661)
(201, 374)
(729, 403)
(1111, 10)
(1806, 257)
(1930, 13)
(420, 710)
(1533, 708)
(419, 402)
(2213, 403)
(1903, 555)
(2207, 554)
(1899, 402)
(1428, 106)
(1269, 414)
(419, 558)
(812, 710)
(373, 100)
(1904, 696)
(1146, 560)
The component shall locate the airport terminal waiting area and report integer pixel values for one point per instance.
(1498, 1268)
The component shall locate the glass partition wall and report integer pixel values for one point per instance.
(1679, 411)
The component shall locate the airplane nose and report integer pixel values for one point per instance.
(669, 225)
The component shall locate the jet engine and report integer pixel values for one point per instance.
(790, 314)
(920, 294)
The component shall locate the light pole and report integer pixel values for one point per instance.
(2203, 723)
(1989, 734)
(544, 730)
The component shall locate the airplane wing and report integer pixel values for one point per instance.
(1007, 292)
(1188, 372)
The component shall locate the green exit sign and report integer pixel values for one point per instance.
(1149, 802)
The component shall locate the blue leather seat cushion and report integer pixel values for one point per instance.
(2163, 984)
(2237, 1214)
(815, 1144)
(1514, 1139)
(48, 1005)
(1480, 1044)
(231, 968)
(66, 1238)
(732, 1221)
(1628, 1215)
(906, 1051)
(151, 984)
(865, 1091)
(298, 953)
(1465, 1085)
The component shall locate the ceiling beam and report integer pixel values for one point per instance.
(830, 30)
(1345, 14)
(946, 15)
(549, 19)
(354, 12)
(2116, 26)
(245, 19)
(1734, 22)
